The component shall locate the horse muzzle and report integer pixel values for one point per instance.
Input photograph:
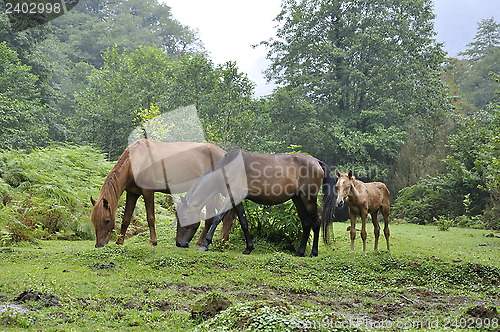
(100, 244)
(339, 203)
(182, 244)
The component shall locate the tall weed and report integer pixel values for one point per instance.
(45, 192)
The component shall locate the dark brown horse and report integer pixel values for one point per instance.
(146, 167)
(363, 198)
(265, 179)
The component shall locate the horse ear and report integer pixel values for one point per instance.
(92, 200)
(337, 173)
(349, 175)
(105, 202)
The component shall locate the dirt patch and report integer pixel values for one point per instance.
(98, 266)
(48, 300)
(210, 305)
(164, 305)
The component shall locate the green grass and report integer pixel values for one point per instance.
(465, 244)
(135, 287)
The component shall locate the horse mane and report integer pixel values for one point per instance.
(111, 189)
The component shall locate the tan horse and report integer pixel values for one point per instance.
(363, 198)
(146, 167)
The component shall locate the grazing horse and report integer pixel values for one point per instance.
(363, 198)
(264, 179)
(146, 167)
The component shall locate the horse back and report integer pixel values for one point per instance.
(375, 195)
(171, 167)
(382, 188)
(281, 176)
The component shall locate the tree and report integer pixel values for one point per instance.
(79, 38)
(482, 58)
(22, 123)
(25, 44)
(366, 66)
(486, 41)
(94, 26)
(148, 81)
(126, 82)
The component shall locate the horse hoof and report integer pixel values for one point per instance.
(202, 248)
(247, 251)
(314, 254)
(299, 254)
(153, 244)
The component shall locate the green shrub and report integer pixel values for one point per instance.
(279, 224)
(45, 192)
(440, 196)
(272, 315)
(443, 223)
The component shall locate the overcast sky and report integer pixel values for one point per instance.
(228, 28)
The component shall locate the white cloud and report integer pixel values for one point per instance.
(229, 28)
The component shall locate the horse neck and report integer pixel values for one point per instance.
(116, 182)
(354, 194)
(202, 191)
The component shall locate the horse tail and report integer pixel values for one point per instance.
(227, 224)
(329, 198)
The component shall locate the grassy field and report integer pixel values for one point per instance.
(432, 280)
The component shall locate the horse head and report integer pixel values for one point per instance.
(188, 221)
(344, 186)
(103, 218)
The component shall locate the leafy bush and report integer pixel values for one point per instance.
(272, 315)
(443, 196)
(279, 224)
(45, 192)
(443, 223)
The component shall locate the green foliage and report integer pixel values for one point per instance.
(92, 27)
(279, 224)
(46, 192)
(470, 185)
(21, 114)
(472, 74)
(25, 45)
(272, 315)
(443, 223)
(361, 72)
(424, 201)
(130, 82)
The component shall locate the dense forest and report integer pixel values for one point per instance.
(361, 84)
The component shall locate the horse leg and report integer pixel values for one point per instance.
(208, 239)
(306, 225)
(208, 222)
(204, 231)
(376, 228)
(352, 216)
(385, 214)
(149, 201)
(127, 216)
(240, 211)
(312, 210)
(227, 224)
(364, 214)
